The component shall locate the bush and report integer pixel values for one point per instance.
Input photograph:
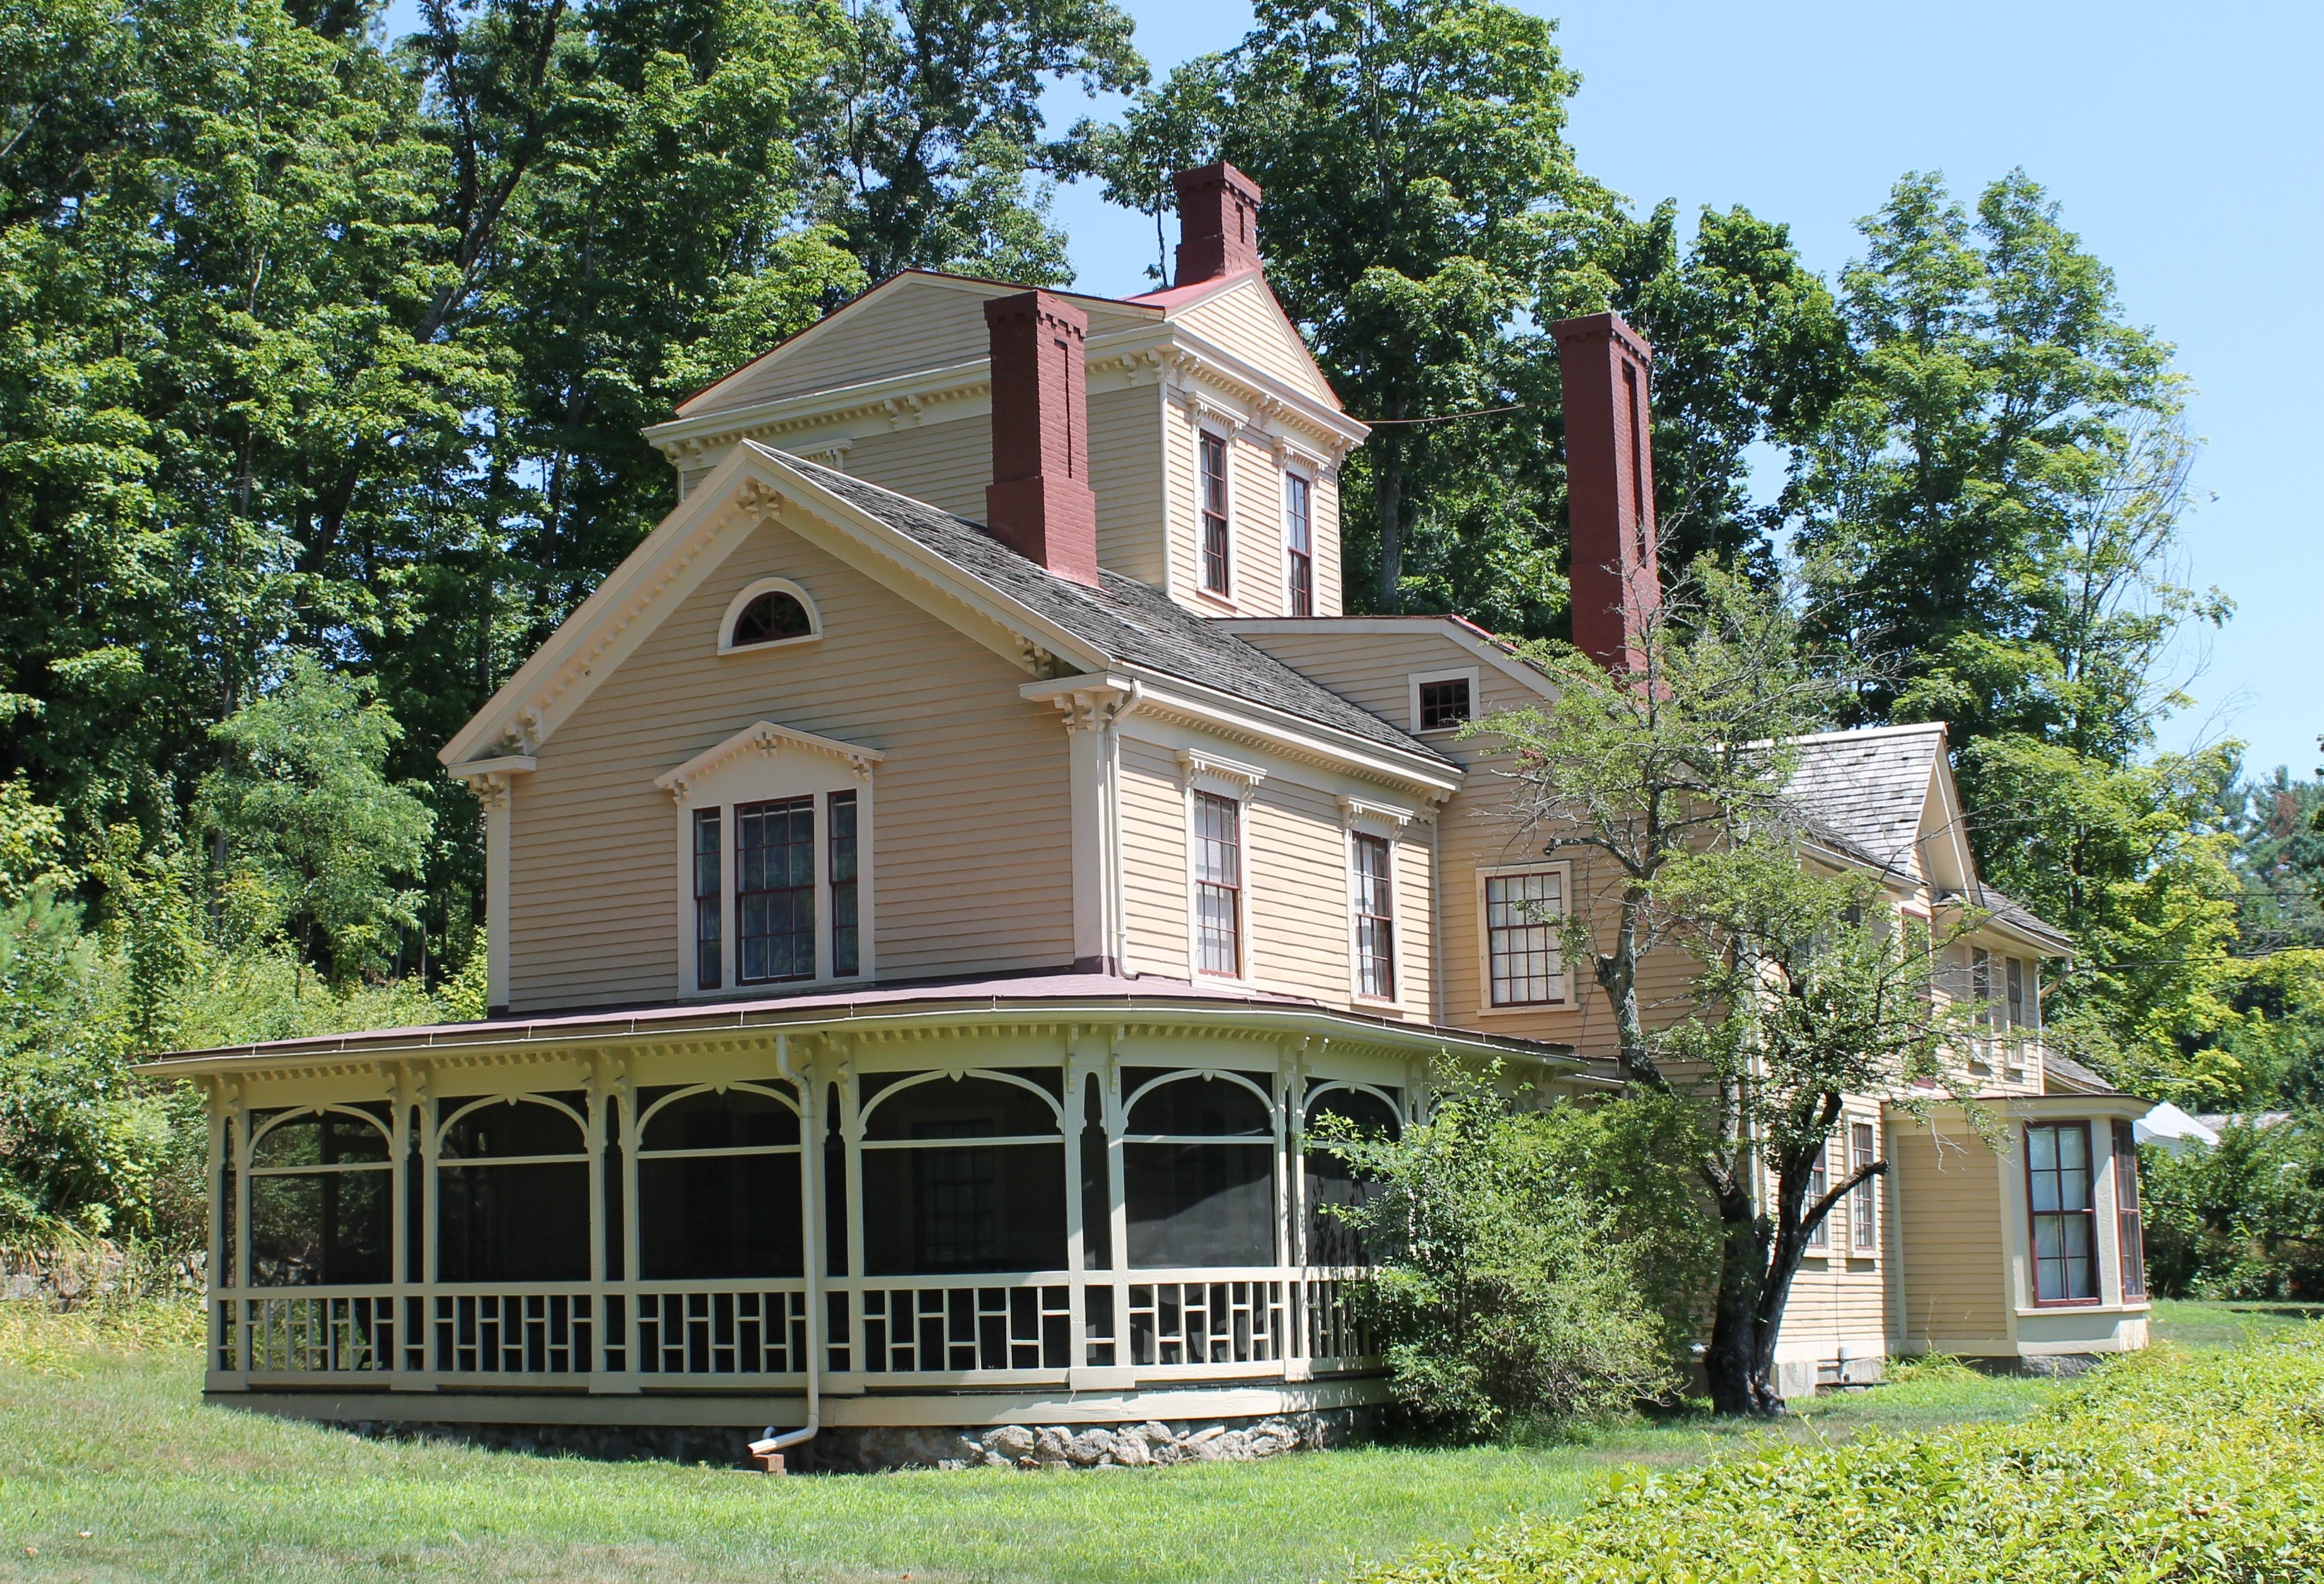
(2159, 1467)
(2244, 1220)
(1504, 1298)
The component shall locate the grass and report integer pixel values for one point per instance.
(111, 1468)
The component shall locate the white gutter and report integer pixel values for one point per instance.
(770, 1444)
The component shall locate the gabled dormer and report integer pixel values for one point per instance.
(1213, 441)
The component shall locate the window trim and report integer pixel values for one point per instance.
(1361, 829)
(1201, 771)
(1415, 681)
(2033, 1255)
(2129, 1214)
(725, 799)
(751, 591)
(1485, 1007)
(1293, 555)
(1225, 594)
(1864, 1198)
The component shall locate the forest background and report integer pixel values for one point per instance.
(324, 347)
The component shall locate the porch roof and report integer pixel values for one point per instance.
(1090, 997)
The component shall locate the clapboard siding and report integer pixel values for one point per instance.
(1246, 319)
(946, 464)
(1949, 1223)
(969, 862)
(1295, 865)
(1153, 859)
(1125, 461)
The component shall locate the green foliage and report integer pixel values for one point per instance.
(310, 832)
(2163, 1467)
(1505, 1297)
(928, 139)
(2244, 1220)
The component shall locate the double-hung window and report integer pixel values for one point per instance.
(774, 890)
(1371, 881)
(1524, 962)
(2129, 1229)
(1299, 542)
(1215, 569)
(2062, 1203)
(1218, 884)
(1864, 1198)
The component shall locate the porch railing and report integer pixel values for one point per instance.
(1169, 1327)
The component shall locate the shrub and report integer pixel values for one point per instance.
(2158, 1468)
(2244, 1220)
(1504, 1298)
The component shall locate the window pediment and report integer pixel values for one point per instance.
(767, 741)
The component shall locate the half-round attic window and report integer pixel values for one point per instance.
(770, 612)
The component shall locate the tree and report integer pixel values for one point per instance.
(309, 830)
(1669, 788)
(927, 129)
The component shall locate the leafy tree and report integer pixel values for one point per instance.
(309, 830)
(1423, 225)
(1504, 1295)
(928, 131)
(2244, 1220)
(1668, 786)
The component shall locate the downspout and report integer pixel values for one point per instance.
(770, 1446)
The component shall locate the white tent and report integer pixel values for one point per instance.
(2174, 1129)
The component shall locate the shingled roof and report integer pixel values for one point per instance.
(1131, 623)
(1869, 787)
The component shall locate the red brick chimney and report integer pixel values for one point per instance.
(1610, 487)
(1218, 223)
(1039, 502)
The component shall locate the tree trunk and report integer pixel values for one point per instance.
(1737, 1365)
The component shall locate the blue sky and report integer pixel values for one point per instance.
(2186, 145)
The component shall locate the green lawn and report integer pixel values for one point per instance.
(111, 1468)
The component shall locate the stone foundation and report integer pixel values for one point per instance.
(872, 1449)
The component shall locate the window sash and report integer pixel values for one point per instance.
(2130, 1230)
(709, 948)
(2062, 1206)
(1864, 1198)
(1300, 542)
(774, 890)
(846, 946)
(1523, 959)
(1218, 885)
(1373, 883)
(1819, 1237)
(1215, 568)
(1444, 705)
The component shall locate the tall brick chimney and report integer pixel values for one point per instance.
(1039, 502)
(1610, 487)
(1218, 223)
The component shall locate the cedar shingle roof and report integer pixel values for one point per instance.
(1132, 623)
(1869, 787)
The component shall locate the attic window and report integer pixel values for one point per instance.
(772, 611)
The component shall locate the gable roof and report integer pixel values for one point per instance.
(1134, 625)
(1868, 793)
(924, 552)
(1869, 787)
